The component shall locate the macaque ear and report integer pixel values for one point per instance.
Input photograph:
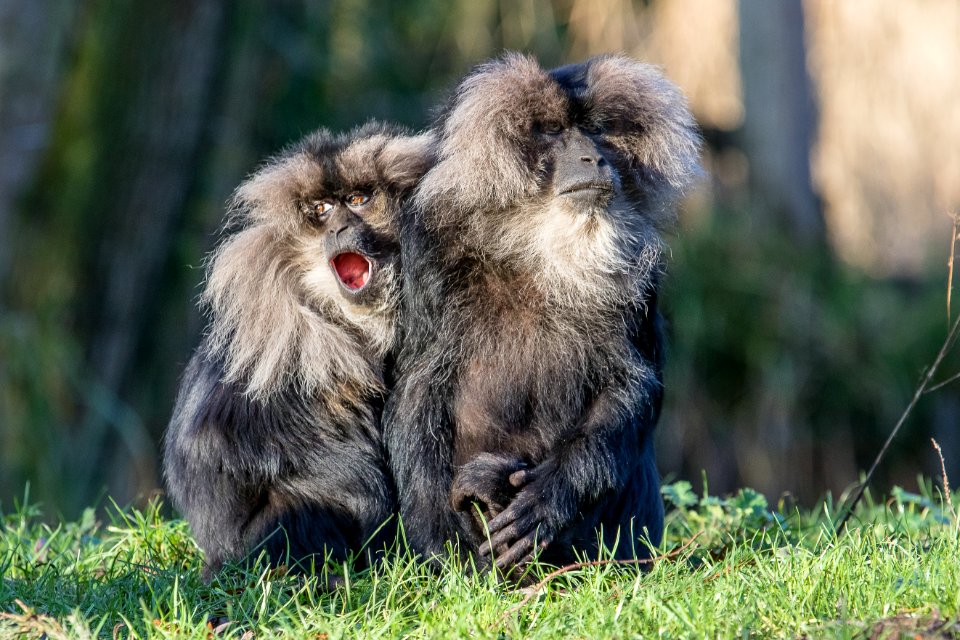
(272, 194)
(406, 158)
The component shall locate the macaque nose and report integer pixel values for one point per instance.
(581, 147)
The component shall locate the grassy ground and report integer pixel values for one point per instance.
(738, 568)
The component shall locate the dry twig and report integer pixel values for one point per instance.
(924, 384)
(946, 480)
(954, 236)
(537, 588)
(924, 387)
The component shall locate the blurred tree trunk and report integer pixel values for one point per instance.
(780, 121)
(164, 131)
(99, 225)
(32, 38)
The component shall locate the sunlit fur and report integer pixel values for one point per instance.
(275, 441)
(485, 185)
(276, 312)
(531, 328)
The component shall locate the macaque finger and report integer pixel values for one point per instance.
(519, 479)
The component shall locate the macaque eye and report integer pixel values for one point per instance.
(318, 209)
(357, 199)
(548, 128)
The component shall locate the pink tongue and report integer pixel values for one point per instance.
(352, 269)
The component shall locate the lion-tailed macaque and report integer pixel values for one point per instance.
(275, 442)
(530, 374)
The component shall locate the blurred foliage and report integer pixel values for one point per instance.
(719, 521)
(787, 369)
(746, 519)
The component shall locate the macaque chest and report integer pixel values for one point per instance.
(512, 395)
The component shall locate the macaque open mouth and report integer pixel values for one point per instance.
(353, 270)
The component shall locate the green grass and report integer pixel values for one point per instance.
(750, 570)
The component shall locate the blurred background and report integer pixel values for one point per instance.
(808, 281)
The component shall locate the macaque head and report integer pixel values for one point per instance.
(574, 170)
(309, 272)
(333, 201)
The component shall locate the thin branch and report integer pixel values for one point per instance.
(953, 248)
(943, 383)
(951, 338)
(925, 385)
(535, 589)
